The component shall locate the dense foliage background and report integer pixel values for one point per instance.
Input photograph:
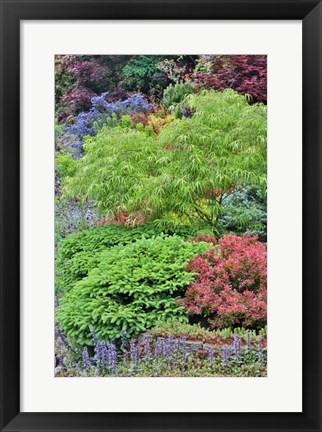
(160, 189)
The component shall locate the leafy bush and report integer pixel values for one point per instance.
(247, 74)
(149, 121)
(74, 79)
(244, 211)
(130, 289)
(209, 64)
(231, 286)
(158, 123)
(172, 95)
(177, 68)
(141, 73)
(88, 123)
(186, 169)
(196, 332)
(79, 252)
(65, 164)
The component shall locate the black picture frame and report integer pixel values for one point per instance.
(12, 12)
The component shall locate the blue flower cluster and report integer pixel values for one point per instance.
(90, 122)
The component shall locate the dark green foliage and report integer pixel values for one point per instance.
(172, 95)
(78, 253)
(141, 73)
(130, 289)
(244, 211)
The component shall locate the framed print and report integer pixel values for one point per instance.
(160, 215)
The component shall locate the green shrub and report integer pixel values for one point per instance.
(130, 289)
(195, 331)
(142, 73)
(173, 95)
(78, 253)
(66, 165)
(244, 211)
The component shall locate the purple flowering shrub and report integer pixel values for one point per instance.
(169, 357)
(88, 123)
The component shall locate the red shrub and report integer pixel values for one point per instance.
(85, 71)
(231, 285)
(78, 99)
(243, 73)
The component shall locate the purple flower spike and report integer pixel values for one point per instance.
(134, 352)
(62, 337)
(248, 341)
(211, 353)
(183, 341)
(112, 357)
(237, 345)
(226, 356)
(86, 360)
(158, 348)
(260, 352)
(146, 345)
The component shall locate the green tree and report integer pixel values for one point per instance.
(187, 170)
(142, 73)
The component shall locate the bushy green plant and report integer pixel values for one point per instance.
(186, 169)
(172, 95)
(141, 73)
(195, 331)
(78, 253)
(65, 164)
(130, 289)
(244, 211)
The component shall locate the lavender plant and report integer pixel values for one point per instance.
(158, 356)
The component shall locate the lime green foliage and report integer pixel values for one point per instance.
(172, 95)
(113, 171)
(179, 329)
(65, 164)
(186, 169)
(130, 289)
(126, 122)
(78, 253)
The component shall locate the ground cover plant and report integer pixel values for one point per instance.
(160, 215)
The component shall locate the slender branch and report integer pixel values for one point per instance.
(203, 216)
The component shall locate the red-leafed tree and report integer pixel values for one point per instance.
(247, 74)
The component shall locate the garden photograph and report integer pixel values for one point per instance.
(160, 216)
